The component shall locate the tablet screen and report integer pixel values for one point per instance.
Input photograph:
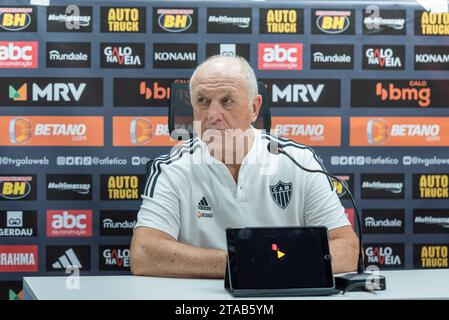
(279, 258)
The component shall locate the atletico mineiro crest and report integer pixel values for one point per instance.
(281, 193)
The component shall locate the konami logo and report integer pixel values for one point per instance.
(69, 223)
(18, 258)
(280, 56)
(19, 54)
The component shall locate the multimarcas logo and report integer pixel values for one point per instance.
(430, 220)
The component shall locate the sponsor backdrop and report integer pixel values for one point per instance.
(84, 92)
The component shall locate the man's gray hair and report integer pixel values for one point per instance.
(248, 71)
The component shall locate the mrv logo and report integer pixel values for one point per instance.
(51, 92)
(303, 93)
(122, 55)
(385, 255)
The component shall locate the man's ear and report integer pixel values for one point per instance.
(255, 107)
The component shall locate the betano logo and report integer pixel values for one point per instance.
(313, 131)
(417, 91)
(18, 54)
(279, 254)
(51, 131)
(399, 131)
(333, 22)
(175, 20)
(15, 19)
(143, 131)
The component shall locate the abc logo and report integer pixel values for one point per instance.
(279, 54)
(69, 221)
(13, 52)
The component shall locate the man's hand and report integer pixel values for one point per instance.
(156, 253)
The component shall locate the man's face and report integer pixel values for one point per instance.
(220, 99)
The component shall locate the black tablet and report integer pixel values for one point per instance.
(279, 258)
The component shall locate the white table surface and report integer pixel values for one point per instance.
(409, 284)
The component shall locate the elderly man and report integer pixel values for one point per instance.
(187, 204)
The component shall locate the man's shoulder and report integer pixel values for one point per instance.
(178, 156)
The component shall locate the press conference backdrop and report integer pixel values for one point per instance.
(84, 94)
